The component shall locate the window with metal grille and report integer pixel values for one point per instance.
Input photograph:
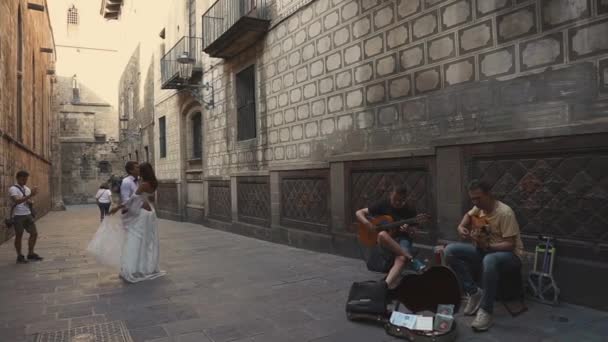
(197, 136)
(245, 99)
(73, 15)
(162, 137)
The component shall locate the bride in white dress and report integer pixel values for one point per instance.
(136, 232)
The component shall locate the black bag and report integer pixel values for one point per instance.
(380, 260)
(367, 300)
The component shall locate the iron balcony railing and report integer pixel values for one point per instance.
(223, 14)
(169, 66)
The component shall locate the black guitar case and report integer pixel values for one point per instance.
(424, 292)
(418, 291)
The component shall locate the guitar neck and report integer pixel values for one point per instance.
(396, 224)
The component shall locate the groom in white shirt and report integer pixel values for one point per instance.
(129, 183)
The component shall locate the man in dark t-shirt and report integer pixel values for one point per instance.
(398, 242)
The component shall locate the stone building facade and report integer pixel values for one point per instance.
(27, 59)
(355, 95)
(89, 141)
(136, 110)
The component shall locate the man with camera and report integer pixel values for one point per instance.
(22, 216)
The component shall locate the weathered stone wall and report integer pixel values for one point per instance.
(138, 127)
(354, 96)
(88, 131)
(31, 150)
(341, 77)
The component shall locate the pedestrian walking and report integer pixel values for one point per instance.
(104, 200)
(22, 214)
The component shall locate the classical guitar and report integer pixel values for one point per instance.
(480, 230)
(369, 237)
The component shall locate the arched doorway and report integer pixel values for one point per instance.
(192, 150)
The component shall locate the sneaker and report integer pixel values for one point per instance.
(482, 321)
(473, 302)
(34, 257)
(21, 259)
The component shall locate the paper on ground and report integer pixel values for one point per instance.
(403, 320)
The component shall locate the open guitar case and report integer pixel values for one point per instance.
(369, 301)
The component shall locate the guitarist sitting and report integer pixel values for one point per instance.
(496, 246)
(397, 243)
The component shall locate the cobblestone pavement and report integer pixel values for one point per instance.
(220, 287)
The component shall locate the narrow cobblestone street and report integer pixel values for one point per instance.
(220, 287)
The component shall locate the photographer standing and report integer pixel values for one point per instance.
(23, 216)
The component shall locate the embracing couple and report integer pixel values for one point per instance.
(130, 242)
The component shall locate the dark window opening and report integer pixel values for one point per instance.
(245, 98)
(73, 15)
(105, 167)
(162, 137)
(197, 136)
(130, 157)
(137, 156)
(147, 153)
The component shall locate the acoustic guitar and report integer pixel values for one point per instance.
(480, 230)
(369, 237)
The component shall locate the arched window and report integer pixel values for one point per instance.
(19, 120)
(137, 156)
(73, 15)
(197, 136)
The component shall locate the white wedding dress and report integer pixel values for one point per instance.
(136, 232)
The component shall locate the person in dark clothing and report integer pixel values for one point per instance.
(397, 243)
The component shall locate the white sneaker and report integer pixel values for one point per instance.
(473, 303)
(483, 321)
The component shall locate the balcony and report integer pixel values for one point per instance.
(231, 26)
(110, 9)
(170, 66)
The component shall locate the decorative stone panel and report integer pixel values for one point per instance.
(497, 63)
(559, 12)
(354, 98)
(352, 54)
(386, 65)
(253, 200)
(341, 37)
(305, 200)
(425, 26)
(441, 48)
(399, 87)
(384, 17)
(516, 24)
(220, 203)
(344, 79)
(476, 37)
(490, 6)
(365, 120)
(388, 116)
(427, 80)
(375, 93)
(373, 46)
(362, 27)
(350, 10)
(563, 195)
(455, 14)
(460, 71)
(406, 8)
(397, 36)
(542, 52)
(412, 57)
(430, 3)
(364, 73)
(588, 40)
(413, 111)
(331, 20)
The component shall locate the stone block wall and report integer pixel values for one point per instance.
(356, 95)
(339, 77)
(31, 151)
